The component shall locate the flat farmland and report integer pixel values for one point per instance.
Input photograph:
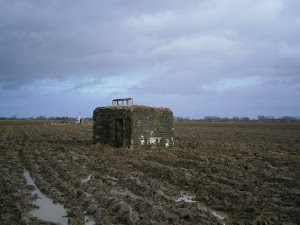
(218, 173)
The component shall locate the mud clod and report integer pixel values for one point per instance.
(217, 173)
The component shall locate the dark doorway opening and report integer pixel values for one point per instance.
(119, 133)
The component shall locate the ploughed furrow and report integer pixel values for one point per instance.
(254, 171)
(56, 176)
(217, 173)
(12, 199)
(145, 195)
(15, 193)
(192, 134)
(112, 196)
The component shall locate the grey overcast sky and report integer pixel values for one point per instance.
(197, 57)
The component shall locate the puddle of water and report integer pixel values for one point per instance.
(47, 211)
(189, 198)
(218, 214)
(185, 198)
(87, 179)
(89, 219)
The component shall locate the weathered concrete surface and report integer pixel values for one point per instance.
(133, 126)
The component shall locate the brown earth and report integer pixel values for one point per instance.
(247, 172)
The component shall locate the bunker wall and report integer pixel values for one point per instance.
(112, 126)
(133, 127)
(152, 127)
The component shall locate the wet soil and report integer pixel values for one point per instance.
(218, 173)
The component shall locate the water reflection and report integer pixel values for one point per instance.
(185, 198)
(47, 211)
(89, 219)
(87, 179)
(218, 214)
(189, 198)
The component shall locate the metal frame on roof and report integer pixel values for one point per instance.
(122, 101)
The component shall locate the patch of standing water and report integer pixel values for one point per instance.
(87, 179)
(47, 211)
(188, 198)
(218, 214)
(185, 198)
(88, 219)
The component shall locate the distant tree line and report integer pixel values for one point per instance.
(63, 118)
(260, 118)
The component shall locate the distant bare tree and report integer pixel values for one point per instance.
(41, 118)
(245, 119)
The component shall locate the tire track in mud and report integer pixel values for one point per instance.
(15, 197)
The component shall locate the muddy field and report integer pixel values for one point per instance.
(218, 173)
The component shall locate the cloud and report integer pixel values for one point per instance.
(155, 48)
(198, 45)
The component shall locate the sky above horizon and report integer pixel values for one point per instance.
(199, 57)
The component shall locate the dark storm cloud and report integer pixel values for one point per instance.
(43, 39)
(207, 48)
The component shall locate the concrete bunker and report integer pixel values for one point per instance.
(133, 126)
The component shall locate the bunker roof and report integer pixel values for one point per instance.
(132, 107)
